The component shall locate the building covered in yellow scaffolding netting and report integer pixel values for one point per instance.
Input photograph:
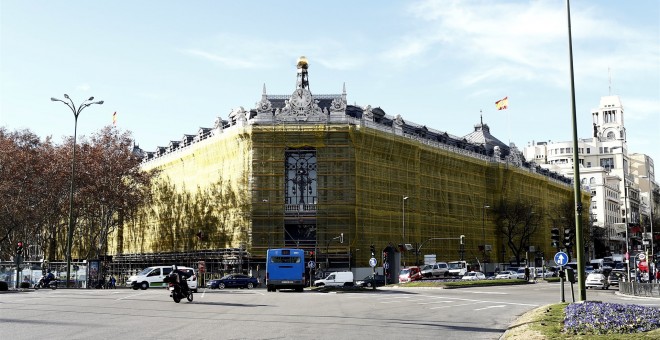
(309, 171)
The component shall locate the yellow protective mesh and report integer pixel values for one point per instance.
(363, 175)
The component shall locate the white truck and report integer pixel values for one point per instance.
(336, 279)
(457, 268)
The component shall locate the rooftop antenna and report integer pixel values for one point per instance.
(609, 75)
(481, 116)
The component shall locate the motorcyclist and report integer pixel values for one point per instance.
(181, 278)
(48, 277)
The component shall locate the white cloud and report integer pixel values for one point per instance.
(638, 109)
(530, 38)
(83, 87)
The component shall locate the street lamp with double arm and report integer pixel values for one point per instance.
(76, 112)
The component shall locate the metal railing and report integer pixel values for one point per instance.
(640, 289)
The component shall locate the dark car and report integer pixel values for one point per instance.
(233, 281)
(370, 281)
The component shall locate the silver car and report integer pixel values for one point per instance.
(597, 280)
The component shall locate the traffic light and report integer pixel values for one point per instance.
(555, 237)
(568, 238)
(373, 250)
(341, 238)
(19, 249)
(384, 257)
(462, 239)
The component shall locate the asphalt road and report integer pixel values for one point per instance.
(415, 313)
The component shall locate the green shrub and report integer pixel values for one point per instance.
(25, 285)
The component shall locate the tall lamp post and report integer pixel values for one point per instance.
(576, 169)
(403, 210)
(76, 113)
(650, 260)
(265, 200)
(483, 227)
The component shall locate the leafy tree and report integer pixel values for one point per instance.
(35, 185)
(27, 189)
(110, 186)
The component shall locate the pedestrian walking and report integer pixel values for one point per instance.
(526, 274)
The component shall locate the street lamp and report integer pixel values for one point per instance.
(483, 227)
(265, 200)
(403, 209)
(651, 218)
(76, 113)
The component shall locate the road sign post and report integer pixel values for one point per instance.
(561, 259)
(373, 262)
(311, 265)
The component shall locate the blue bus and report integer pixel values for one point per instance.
(285, 269)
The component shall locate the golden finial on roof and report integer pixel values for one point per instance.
(302, 63)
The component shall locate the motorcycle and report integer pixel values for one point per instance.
(176, 292)
(52, 284)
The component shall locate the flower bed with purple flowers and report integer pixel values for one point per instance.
(593, 317)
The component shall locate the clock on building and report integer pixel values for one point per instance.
(301, 98)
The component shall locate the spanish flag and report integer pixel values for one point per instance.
(502, 104)
(114, 118)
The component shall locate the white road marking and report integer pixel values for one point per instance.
(489, 307)
(464, 304)
(478, 292)
(129, 296)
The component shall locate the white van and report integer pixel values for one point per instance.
(153, 277)
(336, 279)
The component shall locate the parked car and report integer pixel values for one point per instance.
(233, 281)
(154, 277)
(613, 278)
(427, 270)
(520, 273)
(438, 269)
(336, 279)
(473, 276)
(370, 281)
(597, 280)
(410, 274)
(540, 274)
(507, 274)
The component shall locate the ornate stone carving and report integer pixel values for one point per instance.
(264, 105)
(218, 124)
(238, 116)
(301, 107)
(398, 121)
(515, 157)
(367, 114)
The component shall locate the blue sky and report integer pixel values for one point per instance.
(170, 67)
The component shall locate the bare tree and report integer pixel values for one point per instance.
(517, 221)
(563, 218)
(110, 185)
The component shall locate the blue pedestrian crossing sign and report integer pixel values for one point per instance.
(561, 258)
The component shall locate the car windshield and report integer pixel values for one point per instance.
(405, 271)
(145, 271)
(472, 274)
(455, 266)
(225, 277)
